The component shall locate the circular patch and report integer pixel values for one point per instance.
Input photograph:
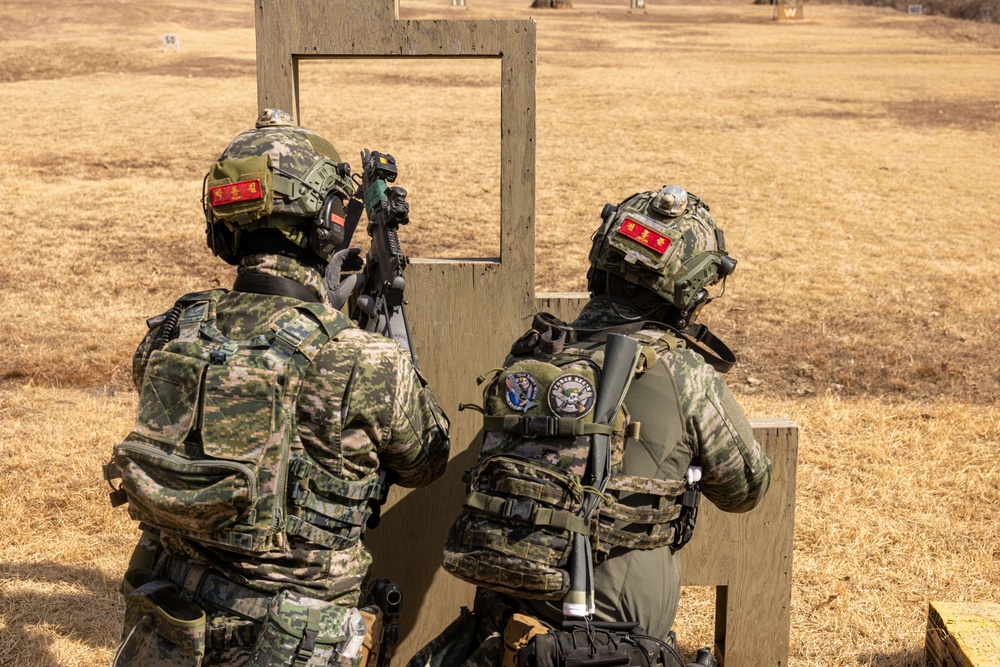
(571, 396)
(522, 388)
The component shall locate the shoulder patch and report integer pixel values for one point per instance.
(522, 389)
(571, 395)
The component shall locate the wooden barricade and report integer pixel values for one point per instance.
(464, 315)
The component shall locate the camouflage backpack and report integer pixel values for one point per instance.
(526, 493)
(215, 454)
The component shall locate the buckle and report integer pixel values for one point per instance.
(515, 509)
(535, 426)
(300, 494)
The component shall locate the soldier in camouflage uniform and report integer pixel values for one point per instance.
(289, 404)
(652, 260)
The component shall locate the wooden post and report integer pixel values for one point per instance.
(788, 10)
(465, 314)
(962, 634)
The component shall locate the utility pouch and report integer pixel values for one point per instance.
(305, 632)
(515, 535)
(161, 628)
(598, 644)
(517, 633)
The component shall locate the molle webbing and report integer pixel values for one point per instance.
(243, 396)
(543, 426)
(528, 511)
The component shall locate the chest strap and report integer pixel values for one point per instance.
(543, 426)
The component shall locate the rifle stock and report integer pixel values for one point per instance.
(621, 354)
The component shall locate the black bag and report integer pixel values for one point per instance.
(599, 644)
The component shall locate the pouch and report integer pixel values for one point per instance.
(161, 628)
(300, 631)
(519, 630)
(513, 534)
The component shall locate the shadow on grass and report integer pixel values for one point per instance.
(39, 600)
(908, 658)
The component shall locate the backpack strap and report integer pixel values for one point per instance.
(324, 508)
(199, 308)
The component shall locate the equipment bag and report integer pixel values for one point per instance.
(214, 455)
(598, 644)
(526, 492)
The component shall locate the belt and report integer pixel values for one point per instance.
(204, 586)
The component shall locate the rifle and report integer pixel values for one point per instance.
(380, 305)
(389, 598)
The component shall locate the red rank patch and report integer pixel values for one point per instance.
(644, 235)
(235, 192)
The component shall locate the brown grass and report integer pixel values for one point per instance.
(851, 160)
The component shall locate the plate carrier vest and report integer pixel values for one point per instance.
(215, 455)
(525, 493)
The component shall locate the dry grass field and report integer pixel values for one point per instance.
(852, 160)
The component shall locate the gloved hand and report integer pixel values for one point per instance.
(337, 290)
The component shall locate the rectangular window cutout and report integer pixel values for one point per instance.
(440, 119)
(695, 620)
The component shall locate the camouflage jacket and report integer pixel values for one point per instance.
(717, 435)
(389, 420)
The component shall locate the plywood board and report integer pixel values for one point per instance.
(963, 634)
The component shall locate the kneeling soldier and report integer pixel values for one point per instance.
(600, 436)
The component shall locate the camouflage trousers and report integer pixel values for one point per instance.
(166, 628)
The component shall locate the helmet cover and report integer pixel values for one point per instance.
(277, 175)
(664, 241)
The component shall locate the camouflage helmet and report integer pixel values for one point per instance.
(276, 176)
(666, 242)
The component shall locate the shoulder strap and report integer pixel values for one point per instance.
(302, 330)
(262, 283)
(715, 353)
(332, 321)
(199, 308)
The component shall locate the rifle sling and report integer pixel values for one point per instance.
(716, 353)
(352, 215)
(700, 340)
(261, 283)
